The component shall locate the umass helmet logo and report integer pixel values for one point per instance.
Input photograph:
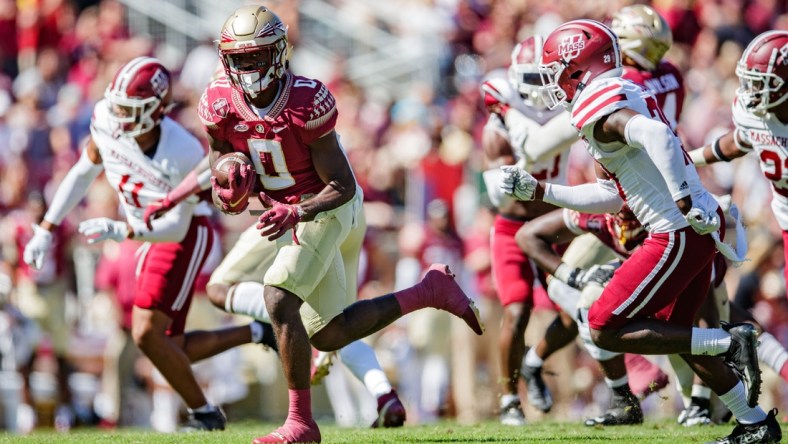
(570, 46)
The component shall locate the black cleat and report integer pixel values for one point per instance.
(512, 414)
(742, 357)
(698, 413)
(624, 410)
(538, 393)
(206, 421)
(269, 338)
(766, 431)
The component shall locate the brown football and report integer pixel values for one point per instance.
(221, 168)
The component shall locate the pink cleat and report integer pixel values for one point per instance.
(445, 294)
(391, 412)
(292, 432)
(645, 377)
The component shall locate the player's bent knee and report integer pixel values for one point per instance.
(217, 294)
(282, 305)
(145, 335)
(516, 316)
(326, 341)
(601, 338)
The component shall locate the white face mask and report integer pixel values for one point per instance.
(252, 81)
(135, 117)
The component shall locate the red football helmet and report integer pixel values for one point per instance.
(524, 70)
(139, 96)
(574, 54)
(762, 71)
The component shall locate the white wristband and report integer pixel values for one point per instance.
(697, 157)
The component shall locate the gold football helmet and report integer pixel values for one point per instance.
(253, 48)
(643, 34)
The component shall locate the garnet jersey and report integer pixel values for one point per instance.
(638, 178)
(277, 142)
(768, 137)
(139, 179)
(667, 85)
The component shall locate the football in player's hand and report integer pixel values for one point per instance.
(221, 168)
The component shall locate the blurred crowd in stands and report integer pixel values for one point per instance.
(418, 158)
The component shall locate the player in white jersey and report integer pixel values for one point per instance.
(650, 303)
(144, 154)
(520, 130)
(760, 113)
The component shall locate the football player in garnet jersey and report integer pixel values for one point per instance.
(645, 37)
(760, 114)
(650, 303)
(144, 154)
(303, 254)
(520, 130)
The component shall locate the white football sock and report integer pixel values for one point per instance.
(615, 383)
(736, 401)
(360, 359)
(771, 352)
(204, 409)
(257, 332)
(701, 391)
(246, 298)
(508, 398)
(684, 377)
(710, 341)
(532, 359)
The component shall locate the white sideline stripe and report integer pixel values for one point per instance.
(648, 278)
(664, 277)
(191, 272)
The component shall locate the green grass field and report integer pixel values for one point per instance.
(445, 432)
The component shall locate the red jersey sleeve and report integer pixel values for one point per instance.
(214, 109)
(315, 110)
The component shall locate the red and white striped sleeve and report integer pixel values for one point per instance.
(599, 99)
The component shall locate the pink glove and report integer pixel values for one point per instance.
(156, 209)
(279, 218)
(240, 182)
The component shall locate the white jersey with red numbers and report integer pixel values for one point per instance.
(638, 178)
(139, 179)
(555, 168)
(768, 137)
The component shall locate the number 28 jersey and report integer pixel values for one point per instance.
(276, 142)
(768, 137)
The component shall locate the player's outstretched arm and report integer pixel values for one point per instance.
(70, 191)
(723, 149)
(537, 237)
(598, 198)
(199, 179)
